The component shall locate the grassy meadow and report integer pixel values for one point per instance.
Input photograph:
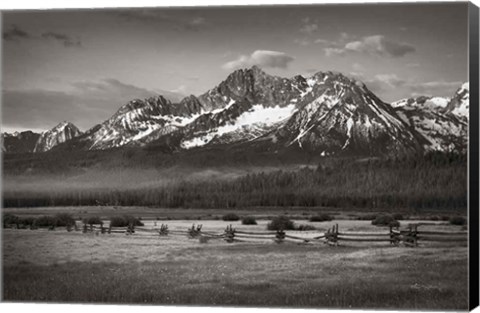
(58, 266)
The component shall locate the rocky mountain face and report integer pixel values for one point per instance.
(337, 114)
(442, 123)
(141, 121)
(59, 134)
(23, 142)
(326, 113)
(458, 104)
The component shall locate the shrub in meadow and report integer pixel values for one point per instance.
(249, 220)
(230, 217)
(458, 220)
(367, 217)
(93, 220)
(398, 216)
(65, 219)
(281, 222)
(321, 218)
(304, 227)
(9, 219)
(385, 220)
(46, 221)
(27, 221)
(124, 221)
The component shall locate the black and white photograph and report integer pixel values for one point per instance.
(267, 156)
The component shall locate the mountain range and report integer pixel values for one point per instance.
(327, 113)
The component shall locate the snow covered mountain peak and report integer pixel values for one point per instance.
(459, 104)
(432, 103)
(327, 112)
(55, 136)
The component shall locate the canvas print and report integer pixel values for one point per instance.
(302, 156)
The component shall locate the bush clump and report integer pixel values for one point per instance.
(27, 221)
(281, 222)
(230, 217)
(93, 220)
(304, 227)
(367, 217)
(125, 220)
(46, 221)
(9, 219)
(385, 220)
(321, 218)
(249, 220)
(65, 219)
(458, 220)
(398, 216)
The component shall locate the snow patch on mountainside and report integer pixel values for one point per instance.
(256, 116)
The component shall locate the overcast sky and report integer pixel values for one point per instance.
(81, 66)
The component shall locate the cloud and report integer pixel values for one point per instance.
(86, 103)
(358, 67)
(14, 33)
(64, 39)
(391, 80)
(156, 17)
(334, 51)
(197, 21)
(323, 41)
(388, 82)
(262, 58)
(379, 45)
(434, 87)
(379, 82)
(182, 89)
(338, 43)
(302, 42)
(308, 27)
(374, 45)
(413, 65)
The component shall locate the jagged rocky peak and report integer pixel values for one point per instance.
(190, 105)
(422, 102)
(254, 86)
(153, 104)
(339, 114)
(19, 142)
(459, 104)
(59, 134)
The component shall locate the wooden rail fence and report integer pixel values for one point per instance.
(409, 236)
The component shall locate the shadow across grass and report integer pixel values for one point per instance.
(235, 276)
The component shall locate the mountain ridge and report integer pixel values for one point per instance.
(328, 113)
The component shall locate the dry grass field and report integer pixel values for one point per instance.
(60, 266)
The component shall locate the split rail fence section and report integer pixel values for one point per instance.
(409, 236)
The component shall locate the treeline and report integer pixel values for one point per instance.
(436, 181)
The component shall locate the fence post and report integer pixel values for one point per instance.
(280, 236)
(229, 234)
(130, 229)
(336, 235)
(415, 242)
(163, 230)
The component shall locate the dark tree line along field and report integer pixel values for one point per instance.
(436, 181)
